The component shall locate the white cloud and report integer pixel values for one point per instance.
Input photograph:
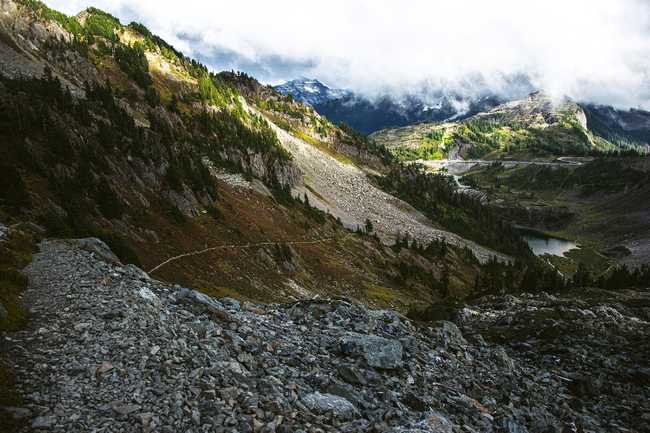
(595, 50)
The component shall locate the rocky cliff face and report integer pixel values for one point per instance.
(109, 348)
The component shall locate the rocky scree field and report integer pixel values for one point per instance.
(111, 349)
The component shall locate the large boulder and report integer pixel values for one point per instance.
(189, 295)
(337, 406)
(378, 352)
(200, 302)
(98, 248)
(448, 334)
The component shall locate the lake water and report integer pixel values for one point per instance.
(541, 244)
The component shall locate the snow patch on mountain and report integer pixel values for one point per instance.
(311, 91)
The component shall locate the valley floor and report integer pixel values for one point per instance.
(602, 214)
(110, 349)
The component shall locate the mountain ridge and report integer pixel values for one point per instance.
(368, 115)
(626, 127)
(536, 126)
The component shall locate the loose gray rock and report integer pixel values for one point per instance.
(435, 422)
(98, 248)
(449, 334)
(328, 403)
(379, 352)
(231, 304)
(43, 422)
(108, 350)
(125, 409)
(199, 298)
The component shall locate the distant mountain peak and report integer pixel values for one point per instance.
(311, 91)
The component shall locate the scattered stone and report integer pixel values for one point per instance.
(379, 352)
(44, 422)
(103, 368)
(231, 304)
(98, 248)
(449, 334)
(509, 425)
(435, 422)
(352, 375)
(328, 403)
(125, 409)
(146, 294)
(191, 363)
(146, 419)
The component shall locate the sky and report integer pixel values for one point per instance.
(590, 50)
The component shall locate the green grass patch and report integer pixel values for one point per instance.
(385, 295)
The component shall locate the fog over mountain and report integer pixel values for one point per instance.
(593, 51)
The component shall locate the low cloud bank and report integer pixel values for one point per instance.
(591, 50)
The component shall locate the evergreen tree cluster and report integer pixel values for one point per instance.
(438, 197)
(133, 62)
(76, 144)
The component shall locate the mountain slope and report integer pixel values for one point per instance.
(112, 133)
(109, 346)
(367, 116)
(631, 127)
(336, 174)
(532, 127)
